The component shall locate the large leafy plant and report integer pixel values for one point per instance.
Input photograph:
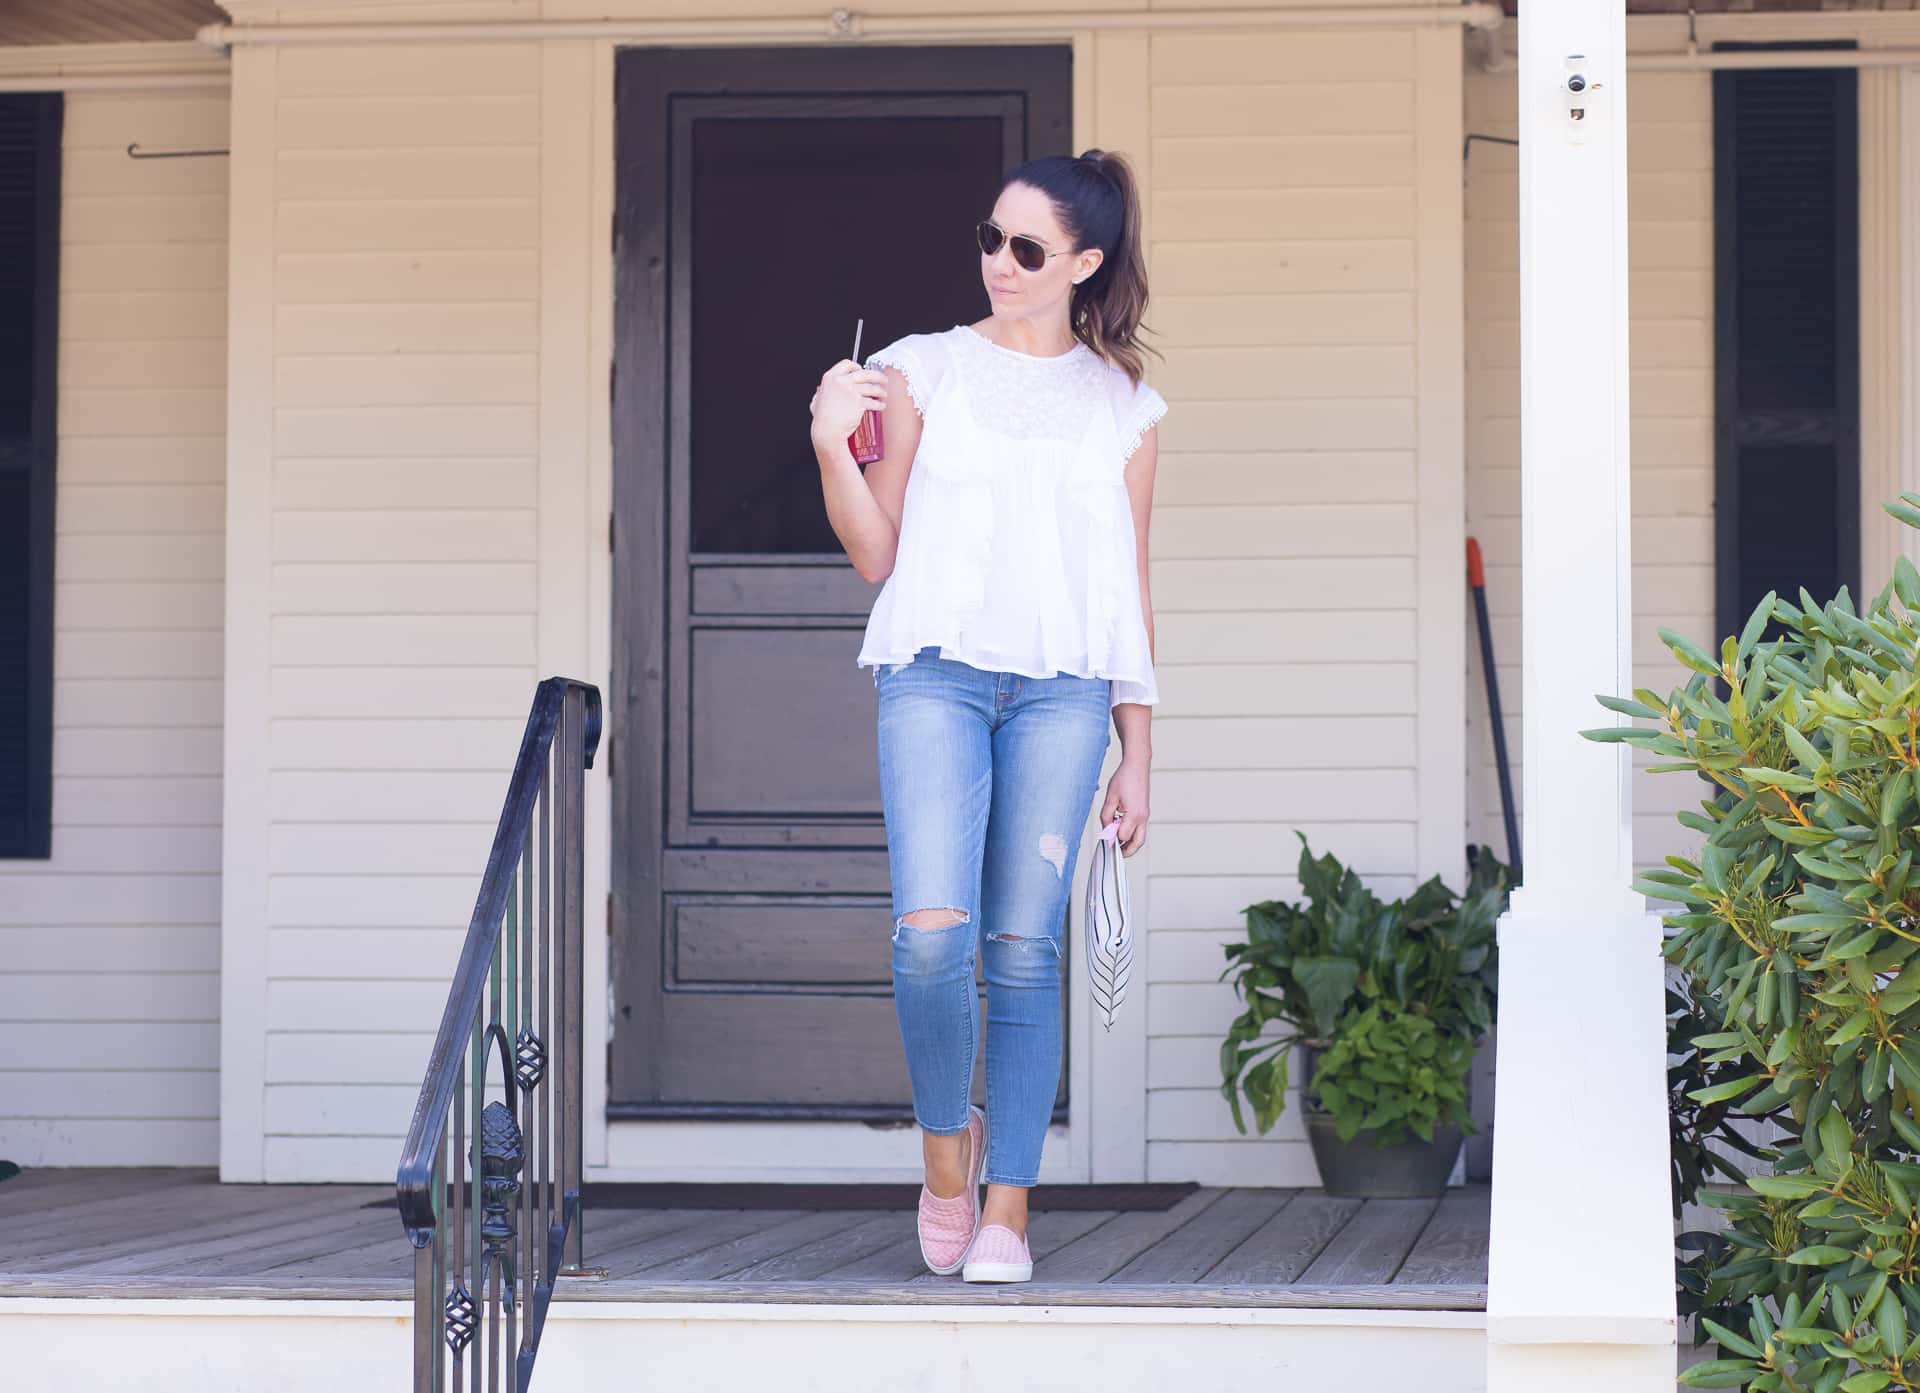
(1799, 921)
(1394, 1073)
(1312, 967)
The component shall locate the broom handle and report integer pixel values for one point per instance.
(1477, 578)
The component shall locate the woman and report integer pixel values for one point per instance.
(1008, 518)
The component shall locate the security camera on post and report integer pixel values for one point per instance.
(1580, 90)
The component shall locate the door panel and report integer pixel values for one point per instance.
(765, 199)
(729, 585)
(825, 940)
(818, 759)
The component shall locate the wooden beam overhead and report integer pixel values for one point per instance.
(25, 23)
(1747, 7)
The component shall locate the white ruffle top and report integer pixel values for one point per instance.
(1017, 549)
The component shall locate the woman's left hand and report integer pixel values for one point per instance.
(1127, 799)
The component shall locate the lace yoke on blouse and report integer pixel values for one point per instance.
(1017, 549)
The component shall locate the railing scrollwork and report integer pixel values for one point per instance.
(493, 1208)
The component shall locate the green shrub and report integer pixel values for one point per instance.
(1704, 1141)
(1798, 924)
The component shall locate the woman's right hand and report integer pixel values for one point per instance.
(846, 393)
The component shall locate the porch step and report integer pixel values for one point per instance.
(229, 1345)
(171, 1280)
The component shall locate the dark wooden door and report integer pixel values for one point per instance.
(765, 199)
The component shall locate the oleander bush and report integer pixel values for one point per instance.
(1798, 931)
(1707, 1142)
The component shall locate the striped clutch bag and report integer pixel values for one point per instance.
(1109, 925)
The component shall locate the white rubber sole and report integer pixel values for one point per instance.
(997, 1272)
(975, 1164)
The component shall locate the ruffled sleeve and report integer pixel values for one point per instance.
(1143, 412)
(921, 359)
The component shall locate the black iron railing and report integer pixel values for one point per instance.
(489, 1190)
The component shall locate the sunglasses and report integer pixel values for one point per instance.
(1028, 254)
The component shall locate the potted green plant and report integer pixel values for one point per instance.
(1388, 1000)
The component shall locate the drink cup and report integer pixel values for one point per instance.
(868, 441)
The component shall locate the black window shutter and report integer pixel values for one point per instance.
(29, 297)
(1787, 340)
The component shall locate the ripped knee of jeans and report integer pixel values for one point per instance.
(1047, 939)
(930, 920)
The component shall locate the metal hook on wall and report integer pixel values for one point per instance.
(1466, 146)
(134, 152)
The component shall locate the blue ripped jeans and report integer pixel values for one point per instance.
(986, 780)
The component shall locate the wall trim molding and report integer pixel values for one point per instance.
(246, 692)
(1902, 457)
(1886, 313)
(132, 66)
(1440, 336)
(841, 25)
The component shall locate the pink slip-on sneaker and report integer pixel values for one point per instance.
(998, 1255)
(947, 1225)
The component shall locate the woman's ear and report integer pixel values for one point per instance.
(1090, 260)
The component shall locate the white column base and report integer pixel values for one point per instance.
(1579, 1368)
(1580, 1290)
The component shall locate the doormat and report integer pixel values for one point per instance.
(627, 1194)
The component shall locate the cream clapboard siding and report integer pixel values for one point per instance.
(1291, 227)
(109, 1000)
(1670, 249)
(399, 192)
(406, 210)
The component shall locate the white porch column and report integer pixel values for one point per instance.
(1580, 1293)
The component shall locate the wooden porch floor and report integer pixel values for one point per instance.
(180, 1233)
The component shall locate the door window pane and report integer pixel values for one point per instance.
(801, 225)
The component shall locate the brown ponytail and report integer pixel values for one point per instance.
(1097, 200)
